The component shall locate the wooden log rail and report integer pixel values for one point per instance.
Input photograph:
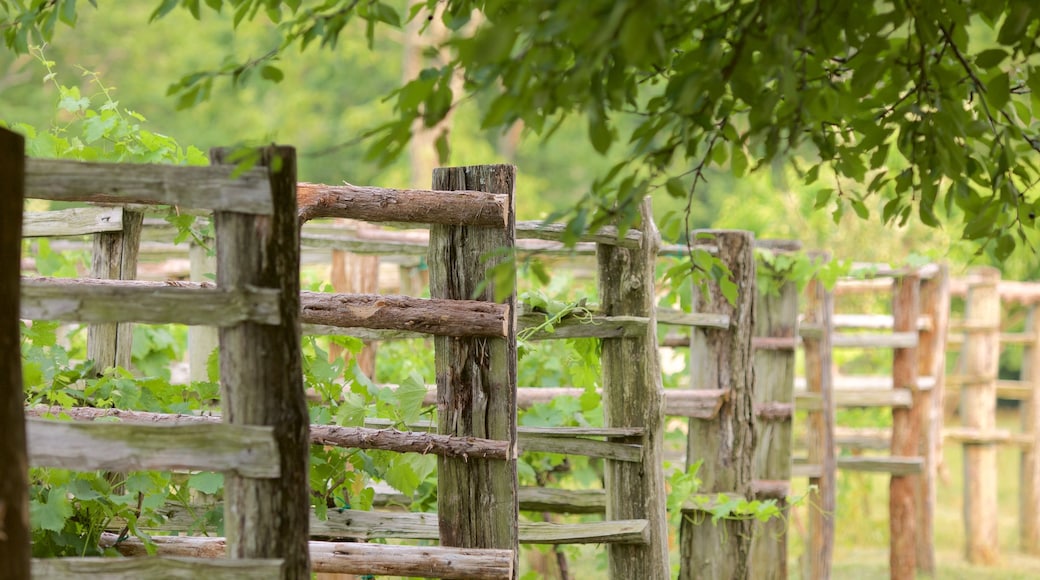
(145, 566)
(343, 558)
(211, 187)
(359, 525)
(353, 437)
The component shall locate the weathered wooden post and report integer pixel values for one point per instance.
(722, 359)
(114, 258)
(1029, 485)
(14, 480)
(931, 362)
(981, 354)
(476, 376)
(906, 430)
(775, 341)
(202, 340)
(633, 397)
(819, 318)
(261, 376)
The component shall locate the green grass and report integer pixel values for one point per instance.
(861, 544)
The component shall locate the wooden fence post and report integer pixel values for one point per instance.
(14, 481)
(476, 377)
(114, 258)
(906, 430)
(775, 342)
(981, 354)
(931, 359)
(261, 376)
(1029, 484)
(722, 359)
(633, 397)
(356, 274)
(819, 313)
(202, 340)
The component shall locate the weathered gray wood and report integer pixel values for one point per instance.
(615, 451)
(607, 235)
(819, 381)
(776, 317)
(633, 397)
(699, 319)
(346, 524)
(906, 432)
(476, 377)
(114, 258)
(931, 364)
(202, 340)
(981, 356)
(856, 398)
(896, 466)
(384, 438)
(76, 221)
(14, 484)
(893, 340)
(593, 327)
(430, 316)
(245, 450)
(722, 359)
(377, 204)
(178, 185)
(1029, 483)
(261, 374)
(82, 300)
(168, 568)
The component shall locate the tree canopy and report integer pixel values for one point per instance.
(930, 107)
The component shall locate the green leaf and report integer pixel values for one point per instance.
(729, 289)
(207, 482)
(990, 58)
(998, 90)
(599, 133)
(410, 395)
(52, 514)
(676, 188)
(272, 73)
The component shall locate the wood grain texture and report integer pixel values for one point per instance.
(931, 364)
(82, 300)
(981, 358)
(261, 374)
(722, 359)
(75, 221)
(377, 204)
(633, 397)
(819, 311)
(109, 344)
(428, 316)
(14, 484)
(244, 450)
(906, 433)
(776, 318)
(168, 568)
(177, 185)
(476, 377)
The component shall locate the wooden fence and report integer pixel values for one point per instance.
(991, 308)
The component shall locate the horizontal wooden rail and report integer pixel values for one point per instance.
(866, 382)
(210, 187)
(874, 321)
(565, 440)
(957, 338)
(377, 204)
(674, 317)
(384, 438)
(425, 315)
(856, 398)
(865, 340)
(155, 567)
(250, 451)
(698, 404)
(75, 221)
(889, 465)
(372, 525)
(344, 558)
(1010, 291)
(83, 300)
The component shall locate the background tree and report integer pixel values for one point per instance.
(925, 111)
